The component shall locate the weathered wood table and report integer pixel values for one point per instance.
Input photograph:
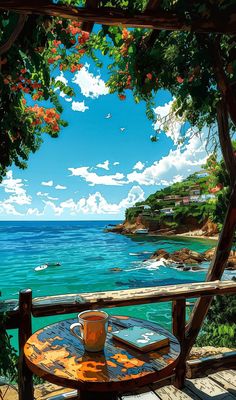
(54, 354)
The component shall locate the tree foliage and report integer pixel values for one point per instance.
(141, 60)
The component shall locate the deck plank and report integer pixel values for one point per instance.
(226, 379)
(228, 376)
(207, 389)
(170, 392)
(145, 393)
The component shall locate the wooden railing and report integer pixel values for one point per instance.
(20, 316)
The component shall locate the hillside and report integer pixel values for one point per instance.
(184, 206)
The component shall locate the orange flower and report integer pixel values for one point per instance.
(23, 71)
(23, 101)
(149, 76)
(179, 79)
(125, 33)
(122, 96)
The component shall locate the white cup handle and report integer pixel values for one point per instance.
(72, 329)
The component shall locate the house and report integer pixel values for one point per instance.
(202, 174)
(195, 190)
(195, 199)
(172, 197)
(186, 200)
(167, 211)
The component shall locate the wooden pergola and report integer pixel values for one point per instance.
(155, 18)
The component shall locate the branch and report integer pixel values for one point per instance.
(154, 19)
(223, 85)
(225, 140)
(14, 35)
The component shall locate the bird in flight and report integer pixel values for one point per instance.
(122, 129)
(108, 116)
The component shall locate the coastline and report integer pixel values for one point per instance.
(193, 235)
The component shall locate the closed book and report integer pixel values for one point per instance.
(141, 338)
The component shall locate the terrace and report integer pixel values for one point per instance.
(19, 313)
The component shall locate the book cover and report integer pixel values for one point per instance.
(143, 339)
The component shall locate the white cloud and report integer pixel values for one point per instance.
(52, 198)
(8, 209)
(42, 194)
(104, 165)
(139, 165)
(167, 120)
(16, 188)
(116, 163)
(79, 106)
(49, 183)
(94, 204)
(60, 187)
(90, 85)
(93, 179)
(177, 165)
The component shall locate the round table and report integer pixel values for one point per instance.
(54, 354)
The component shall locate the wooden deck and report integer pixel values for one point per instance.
(217, 386)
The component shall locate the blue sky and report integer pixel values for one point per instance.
(95, 170)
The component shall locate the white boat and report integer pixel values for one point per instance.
(41, 267)
(142, 231)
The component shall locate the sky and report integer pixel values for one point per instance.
(104, 161)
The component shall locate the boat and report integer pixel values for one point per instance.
(141, 231)
(45, 266)
(41, 267)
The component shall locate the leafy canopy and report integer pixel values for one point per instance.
(141, 60)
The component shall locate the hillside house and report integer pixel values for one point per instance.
(167, 211)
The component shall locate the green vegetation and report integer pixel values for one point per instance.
(8, 358)
(188, 199)
(220, 327)
(143, 61)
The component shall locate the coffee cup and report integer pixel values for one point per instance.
(93, 326)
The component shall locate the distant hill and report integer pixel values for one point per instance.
(181, 207)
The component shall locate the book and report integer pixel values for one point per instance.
(141, 338)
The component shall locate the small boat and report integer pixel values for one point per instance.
(41, 267)
(45, 266)
(142, 231)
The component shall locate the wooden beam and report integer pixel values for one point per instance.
(161, 20)
(88, 26)
(69, 303)
(215, 272)
(25, 377)
(178, 320)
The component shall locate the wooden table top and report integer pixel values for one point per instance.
(54, 354)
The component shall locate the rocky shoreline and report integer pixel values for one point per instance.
(186, 259)
(208, 230)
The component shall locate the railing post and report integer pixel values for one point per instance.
(25, 376)
(178, 321)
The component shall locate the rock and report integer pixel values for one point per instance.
(161, 253)
(200, 352)
(186, 268)
(231, 266)
(116, 269)
(196, 268)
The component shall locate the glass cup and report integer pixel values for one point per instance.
(93, 326)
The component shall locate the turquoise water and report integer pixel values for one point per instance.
(87, 254)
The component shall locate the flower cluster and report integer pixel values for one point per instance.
(44, 115)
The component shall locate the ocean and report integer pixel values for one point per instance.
(87, 255)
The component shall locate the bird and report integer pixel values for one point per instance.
(122, 129)
(108, 116)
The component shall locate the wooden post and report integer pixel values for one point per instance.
(178, 322)
(25, 376)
